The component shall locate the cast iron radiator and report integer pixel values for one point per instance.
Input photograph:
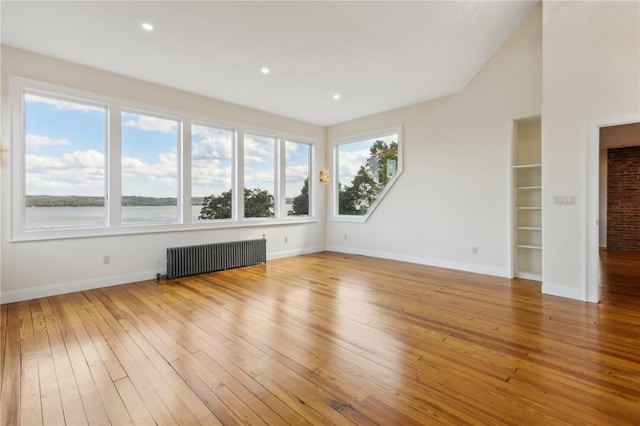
(191, 260)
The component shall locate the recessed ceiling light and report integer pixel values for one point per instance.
(147, 26)
(336, 96)
(265, 70)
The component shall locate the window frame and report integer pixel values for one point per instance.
(187, 162)
(21, 148)
(114, 106)
(311, 184)
(125, 109)
(335, 191)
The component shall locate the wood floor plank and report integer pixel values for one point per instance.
(31, 404)
(52, 410)
(72, 330)
(10, 399)
(326, 338)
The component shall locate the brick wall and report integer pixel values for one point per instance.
(623, 199)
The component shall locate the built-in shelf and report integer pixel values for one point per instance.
(523, 246)
(527, 199)
(527, 166)
(533, 276)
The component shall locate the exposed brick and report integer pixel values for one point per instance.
(623, 199)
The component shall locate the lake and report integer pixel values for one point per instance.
(45, 217)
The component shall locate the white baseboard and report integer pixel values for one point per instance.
(440, 263)
(70, 287)
(297, 252)
(564, 291)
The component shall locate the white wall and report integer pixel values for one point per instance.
(37, 268)
(591, 69)
(455, 191)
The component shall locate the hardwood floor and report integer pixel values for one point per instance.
(326, 339)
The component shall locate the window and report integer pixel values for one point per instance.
(259, 176)
(149, 169)
(211, 172)
(83, 165)
(298, 165)
(64, 162)
(366, 167)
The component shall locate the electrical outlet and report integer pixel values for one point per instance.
(106, 260)
(286, 239)
(474, 250)
(345, 236)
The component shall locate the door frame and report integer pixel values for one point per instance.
(592, 289)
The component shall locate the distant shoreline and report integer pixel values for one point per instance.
(91, 201)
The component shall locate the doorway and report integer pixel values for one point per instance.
(592, 290)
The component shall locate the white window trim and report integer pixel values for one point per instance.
(335, 143)
(115, 106)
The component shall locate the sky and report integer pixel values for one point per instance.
(65, 154)
(353, 155)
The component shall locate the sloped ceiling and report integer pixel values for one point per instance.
(376, 55)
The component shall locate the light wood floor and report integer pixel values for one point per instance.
(326, 339)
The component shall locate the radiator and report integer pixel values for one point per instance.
(191, 260)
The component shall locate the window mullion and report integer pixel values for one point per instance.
(238, 183)
(280, 179)
(184, 172)
(114, 168)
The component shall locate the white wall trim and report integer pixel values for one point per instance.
(91, 284)
(591, 288)
(70, 287)
(297, 252)
(440, 263)
(563, 291)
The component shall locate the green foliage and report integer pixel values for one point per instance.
(216, 207)
(257, 203)
(369, 181)
(300, 206)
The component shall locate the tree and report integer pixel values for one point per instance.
(216, 207)
(300, 206)
(370, 179)
(257, 203)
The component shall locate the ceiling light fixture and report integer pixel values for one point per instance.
(147, 26)
(336, 96)
(265, 70)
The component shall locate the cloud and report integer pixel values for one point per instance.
(209, 143)
(149, 124)
(62, 105)
(258, 148)
(349, 163)
(37, 141)
(166, 167)
(297, 173)
(74, 173)
(210, 178)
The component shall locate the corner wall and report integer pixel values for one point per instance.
(455, 190)
(40, 268)
(591, 70)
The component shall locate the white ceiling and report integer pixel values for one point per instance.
(376, 55)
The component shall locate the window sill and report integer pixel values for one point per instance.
(62, 234)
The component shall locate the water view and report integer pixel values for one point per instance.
(46, 217)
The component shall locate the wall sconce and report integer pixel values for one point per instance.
(324, 176)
